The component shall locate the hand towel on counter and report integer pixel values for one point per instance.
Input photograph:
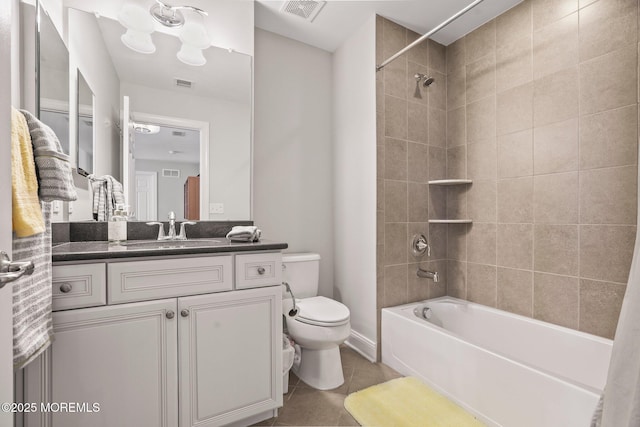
(54, 170)
(32, 319)
(27, 213)
(107, 194)
(247, 233)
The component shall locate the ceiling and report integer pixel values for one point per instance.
(338, 19)
(186, 147)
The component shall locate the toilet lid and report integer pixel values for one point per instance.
(322, 311)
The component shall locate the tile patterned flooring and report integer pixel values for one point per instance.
(305, 406)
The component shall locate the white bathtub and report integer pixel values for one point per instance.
(507, 370)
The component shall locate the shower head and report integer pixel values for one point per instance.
(427, 81)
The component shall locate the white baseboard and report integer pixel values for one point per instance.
(362, 345)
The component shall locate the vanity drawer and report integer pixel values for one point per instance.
(78, 286)
(255, 270)
(165, 278)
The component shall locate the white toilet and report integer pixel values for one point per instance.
(320, 325)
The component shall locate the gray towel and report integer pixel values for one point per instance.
(107, 194)
(247, 233)
(55, 179)
(32, 321)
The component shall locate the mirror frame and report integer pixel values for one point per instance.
(79, 115)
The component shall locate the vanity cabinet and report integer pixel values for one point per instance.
(210, 359)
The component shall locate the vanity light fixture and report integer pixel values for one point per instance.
(139, 24)
(145, 128)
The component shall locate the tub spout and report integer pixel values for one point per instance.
(428, 274)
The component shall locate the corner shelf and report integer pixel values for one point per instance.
(450, 182)
(450, 221)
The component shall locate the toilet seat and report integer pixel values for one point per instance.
(321, 311)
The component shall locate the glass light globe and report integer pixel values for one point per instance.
(191, 55)
(138, 41)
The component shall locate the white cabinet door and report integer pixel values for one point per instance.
(230, 356)
(121, 357)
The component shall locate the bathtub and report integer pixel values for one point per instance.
(507, 370)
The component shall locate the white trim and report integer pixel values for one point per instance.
(203, 127)
(363, 345)
(54, 105)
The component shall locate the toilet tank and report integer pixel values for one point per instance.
(302, 272)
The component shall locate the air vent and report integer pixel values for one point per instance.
(307, 9)
(184, 83)
(180, 133)
(171, 173)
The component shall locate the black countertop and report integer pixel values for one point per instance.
(75, 251)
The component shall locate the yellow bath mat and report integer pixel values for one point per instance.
(406, 402)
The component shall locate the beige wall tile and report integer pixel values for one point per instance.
(456, 88)
(456, 162)
(515, 154)
(480, 42)
(515, 246)
(514, 111)
(437, 56)
(555, 147)
(481, 243)
(437, 208)
(438, 289)
(555, 47)
(437, 91)
(379, 39)
(555, 97)
(395, 159)
(418, 162)
(418, 124)
(457, 279)
(414, 91)
(457, 242)
(437, 127)
(420, 53)
(515, 291)
(600, 304)
(456, 127)
(514, 23)
(437, 163)
(481, 78)
(481, 200)
(555, 198)
(456, 55)
(481, 120)
(609, 138)
(609, 195)
(606, 252)
(606, 25)
(380, 194)
(555, 249)
(437, 239)
(418, 202)
(380, 226)
(395, 285)
(481, 160)
(395, 78)
(546, 12)
(395, 243)
(556, 299)
(395, 204)
(481, 284)
(395, 117)
(394, 37)
(618, 88)
(514, 62)
(417, 288)
(515, 200)
(456, 202)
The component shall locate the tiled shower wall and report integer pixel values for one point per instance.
(411, 146)
(540, 110)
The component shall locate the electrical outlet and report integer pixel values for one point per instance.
(70, 207)
(216, 208)
(55, 206)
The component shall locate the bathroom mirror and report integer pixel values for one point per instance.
(52, 74)
(214, 99)
(84, 123)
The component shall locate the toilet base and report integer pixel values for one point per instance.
(321, 369)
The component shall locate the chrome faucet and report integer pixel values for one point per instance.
(428, 275)
(172, 228)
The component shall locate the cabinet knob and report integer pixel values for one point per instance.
(261, 270)
(184, 312)
(170, 314)
(65, 288)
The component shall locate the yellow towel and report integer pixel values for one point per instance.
(27, 213)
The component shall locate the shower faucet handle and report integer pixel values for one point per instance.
(419, 245)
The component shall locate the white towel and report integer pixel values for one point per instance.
(32, 321)
(107, 194)
(247, 233)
